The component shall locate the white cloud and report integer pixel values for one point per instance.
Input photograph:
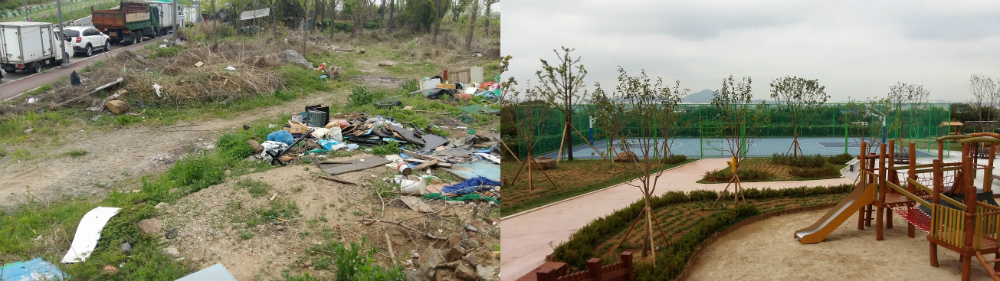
(855, 48)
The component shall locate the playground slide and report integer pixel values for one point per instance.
(818, 231)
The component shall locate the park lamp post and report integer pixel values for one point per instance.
(62, 45)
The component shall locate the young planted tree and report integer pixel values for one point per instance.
(861, 124)
(530, 111)
(739, 119)
(561, 84)
(800, 96)
(609, 117)
(986, 97)
(904, 100)
(655, 106)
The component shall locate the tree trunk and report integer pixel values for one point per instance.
(357, 18)
(455, 11)
(333, 18)
(486, 19)
(321, 7)
(569, 120)
(381, 15)
(437, 21)
(472, 26)
(392, 10)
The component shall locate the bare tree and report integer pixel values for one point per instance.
(799, 95)
(437, 21)
(739, 118)
(486, 17)
(561, 84)
(901, 96)
(472, 25)
(655, 105)
(986, 97)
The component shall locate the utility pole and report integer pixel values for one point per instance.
(25, 10)
(62, 45)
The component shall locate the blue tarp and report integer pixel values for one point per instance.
(470, 186)
(281, 136)
(474, 169)
(23, 270)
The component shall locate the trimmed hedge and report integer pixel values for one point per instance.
(815, 161)
(579, 248)
(746, 174)
(839, 159)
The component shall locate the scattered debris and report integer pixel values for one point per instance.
(74, 79)
(150, 226)
(335, 167)
(414, 203)
(217, 272)
(87, 234)
(199, 64)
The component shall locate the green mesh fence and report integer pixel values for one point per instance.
(917, 123)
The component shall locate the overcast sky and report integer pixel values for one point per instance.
(855, 48)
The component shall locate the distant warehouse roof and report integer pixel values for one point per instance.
(249, 15)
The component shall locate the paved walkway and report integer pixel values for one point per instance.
(526, 239)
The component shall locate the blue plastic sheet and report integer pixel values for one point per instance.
(23, 270)
(470, 186)
(281, 136)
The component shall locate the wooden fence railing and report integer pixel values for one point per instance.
(620, 271)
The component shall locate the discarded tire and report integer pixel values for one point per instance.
(543, 163)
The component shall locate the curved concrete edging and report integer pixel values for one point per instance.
(578, 196)
(718, 235)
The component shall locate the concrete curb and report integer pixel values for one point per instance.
(578, 196)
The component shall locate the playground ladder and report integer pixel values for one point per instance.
(986, 264)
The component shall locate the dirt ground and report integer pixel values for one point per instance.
(209, 222)
(767, 251)
(116, 155)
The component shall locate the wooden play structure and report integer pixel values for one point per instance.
(941, 199)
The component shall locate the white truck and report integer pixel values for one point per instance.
(164, 11)
(28, 45)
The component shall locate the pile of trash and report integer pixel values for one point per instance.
(434, 88)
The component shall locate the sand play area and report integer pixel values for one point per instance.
(767, 251)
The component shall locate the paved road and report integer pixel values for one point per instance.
(14, 84)
(526, 238)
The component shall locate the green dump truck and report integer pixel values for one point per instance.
(128, 24)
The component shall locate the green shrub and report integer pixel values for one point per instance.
(674, 159)
(352, 263)
(166, 52)
(389, 147)
(362, 96)
(814, 173)
(839, 159)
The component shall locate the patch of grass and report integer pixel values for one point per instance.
(246, 234)
(517, 198)
(389, 147)
(362, 96)
(39, 90)
(353, 262)
(254, 187)
(76, 153)
(167, 52)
